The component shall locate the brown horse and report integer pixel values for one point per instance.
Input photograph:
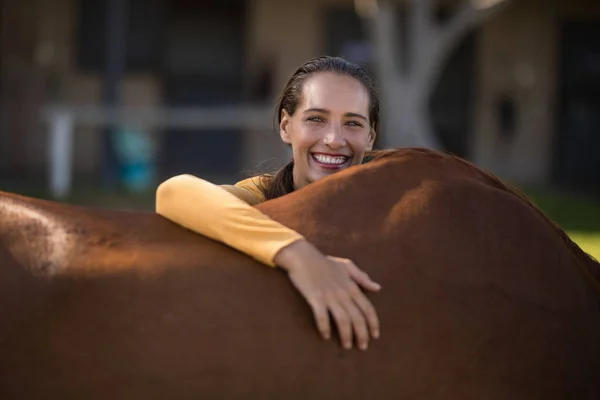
(483, 297)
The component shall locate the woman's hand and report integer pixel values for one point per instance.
(330, 285)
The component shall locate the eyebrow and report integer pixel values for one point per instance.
(324, 111)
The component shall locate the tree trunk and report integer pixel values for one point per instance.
(407, 117)
(419, 129)
(405, 94)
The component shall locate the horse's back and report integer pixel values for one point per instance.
(475, 277)
(482, 298)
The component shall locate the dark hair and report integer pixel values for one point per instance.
(282, 182)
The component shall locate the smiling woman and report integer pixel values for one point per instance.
(328, 113)
(328, 107)
(329, 129)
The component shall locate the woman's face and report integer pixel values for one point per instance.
(330, 129)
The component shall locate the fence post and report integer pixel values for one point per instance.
(60, 153)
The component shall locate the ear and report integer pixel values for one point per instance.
(284, 127)
(372, 136)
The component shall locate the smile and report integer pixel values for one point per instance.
(330, 161)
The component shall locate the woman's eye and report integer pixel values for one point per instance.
(315, 119)
(355, 123)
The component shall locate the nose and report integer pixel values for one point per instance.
(334, 138)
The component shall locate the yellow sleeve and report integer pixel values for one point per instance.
(217, 213)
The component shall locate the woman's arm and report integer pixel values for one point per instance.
(217, 213)
(329, 284)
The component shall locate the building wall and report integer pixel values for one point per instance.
(518, 57)
(283, 35)
(39, 68)
(80, 88)
(23, 84)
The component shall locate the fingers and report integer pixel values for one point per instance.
(361, 300)
(343, 322)
(368, 311)
(359, 324)
(350, 319)
(334, 288)
(361, 277)
(321, 318)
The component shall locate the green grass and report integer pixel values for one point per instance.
(589, 242)
(579, 216)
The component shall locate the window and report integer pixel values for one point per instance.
(143, 38)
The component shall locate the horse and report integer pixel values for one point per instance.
(483, 297)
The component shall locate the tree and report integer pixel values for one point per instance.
(405, 91)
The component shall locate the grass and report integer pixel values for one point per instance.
(589, 242)
(579, 216)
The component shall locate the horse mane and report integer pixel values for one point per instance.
(592, 266)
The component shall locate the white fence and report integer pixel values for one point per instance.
(62, 121)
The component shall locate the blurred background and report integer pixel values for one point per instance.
(100, 100)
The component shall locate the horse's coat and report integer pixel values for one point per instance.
(482, 297)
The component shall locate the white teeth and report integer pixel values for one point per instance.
(329, 159)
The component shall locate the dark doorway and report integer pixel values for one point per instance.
(451, 103)
(203, 65)
(577, 150)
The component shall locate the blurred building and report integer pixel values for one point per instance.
(520, 95)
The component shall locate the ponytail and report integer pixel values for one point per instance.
(282, 183)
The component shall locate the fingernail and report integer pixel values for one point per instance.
(376, 334)
(347, 346)
(363, 346)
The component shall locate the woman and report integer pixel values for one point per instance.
(328, 112)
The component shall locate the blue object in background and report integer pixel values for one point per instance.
(136, 153)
